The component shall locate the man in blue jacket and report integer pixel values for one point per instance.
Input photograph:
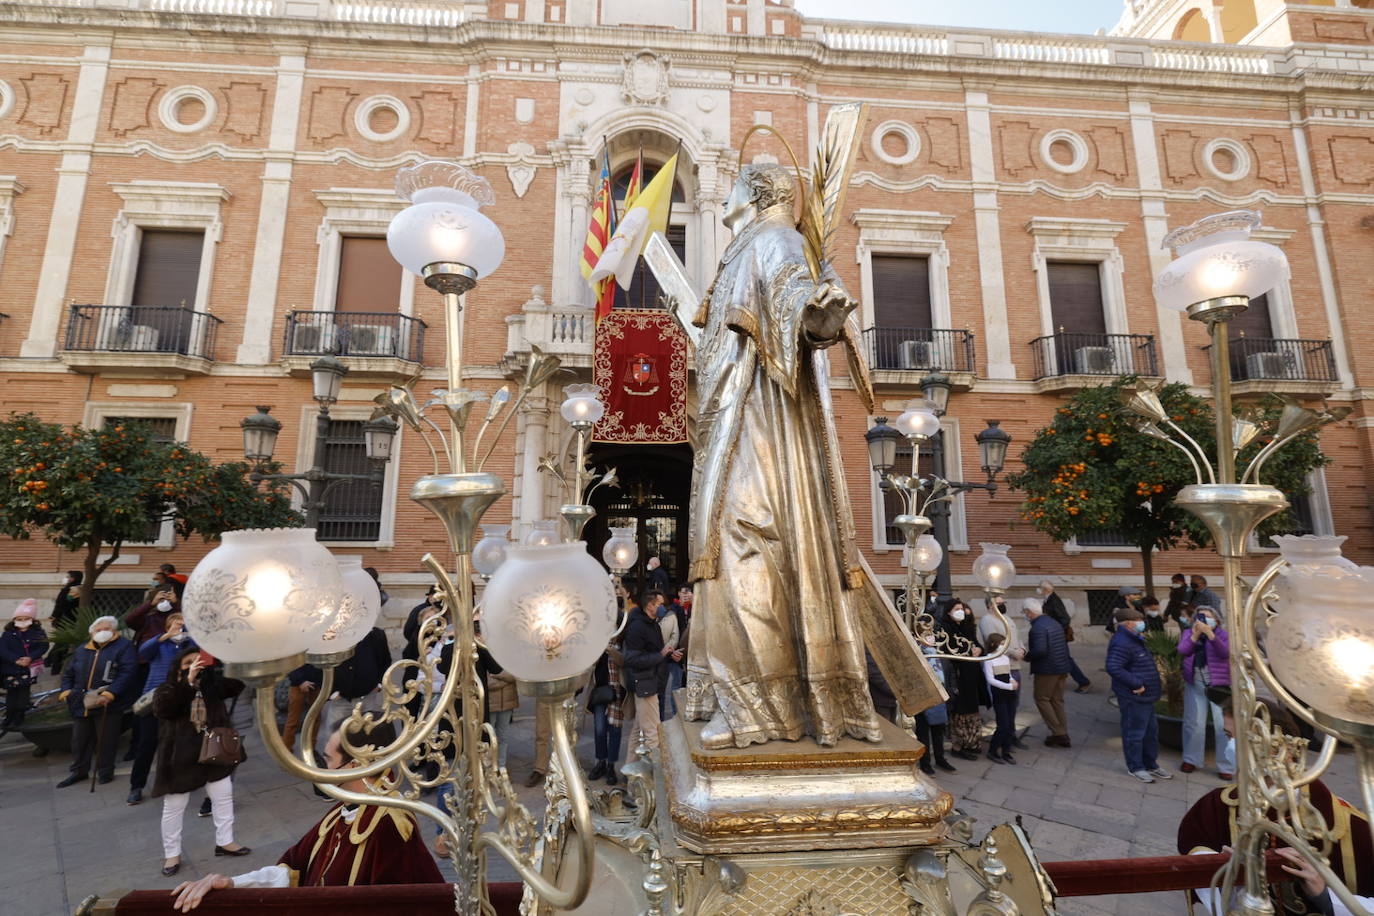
(1135, 681)
(1047, 650)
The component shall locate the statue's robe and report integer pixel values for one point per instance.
(777, 643)
(378, 845)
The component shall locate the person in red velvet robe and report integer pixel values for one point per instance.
(351, 845)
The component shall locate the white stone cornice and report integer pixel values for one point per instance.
(903, 220)
(1061, 227)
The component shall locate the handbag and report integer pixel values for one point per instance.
(221, 746)
(143, 706)
(604, 695)
(1068, 633)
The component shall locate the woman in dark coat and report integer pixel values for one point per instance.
(970, 687)
(179, 770)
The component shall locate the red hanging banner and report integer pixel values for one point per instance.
(640, 364)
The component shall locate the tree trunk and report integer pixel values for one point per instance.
(1147, 563)
(92, 568)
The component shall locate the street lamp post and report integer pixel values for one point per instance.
(260, 432)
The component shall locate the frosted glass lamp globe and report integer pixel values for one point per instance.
(548, 612)
(925, 557)
(444, 224)
(1216, 259)
(542, 534)
(993, 569)
(918, 421)
(357, 612)
(582, 404)
(263, 594)
(621, 551)
(490, 552)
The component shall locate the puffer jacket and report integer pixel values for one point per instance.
(502, 694)
(1131, 666)
(1216, 652)
(110, 669)
(16, 644)
(1046, 648)
(643, 652)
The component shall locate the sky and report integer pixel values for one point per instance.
(1072, 16)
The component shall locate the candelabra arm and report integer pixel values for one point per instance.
(1197, 450)
(312, 717)
(1001, 651)
(443, 440)
(559, 898)
(1333, 883)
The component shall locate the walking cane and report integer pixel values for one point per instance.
(99, 739)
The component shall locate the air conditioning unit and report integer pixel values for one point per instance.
(915, 354)
(312, 338)
(142, 339)
(112, 329)
(1267, 365)
(371, 340)
(1094, 361)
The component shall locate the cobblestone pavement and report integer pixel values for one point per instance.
(62, 845)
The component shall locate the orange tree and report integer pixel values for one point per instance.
(1090, 470)
(95, 490)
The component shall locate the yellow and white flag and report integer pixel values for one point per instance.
(647, 215)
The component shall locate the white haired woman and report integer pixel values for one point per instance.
(98, 684)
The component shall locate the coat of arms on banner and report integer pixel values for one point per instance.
(640, 361)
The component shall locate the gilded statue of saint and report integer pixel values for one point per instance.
(783, 598)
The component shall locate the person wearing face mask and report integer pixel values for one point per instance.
(157, 655)
(1048, 654)
(1135, 681)
(1154, 616)
(1206, 650)
(98, 684)
(1056, 611)
(149, 620)
(970, 688)
(1179, 596)
(22, 645)
(352, 845)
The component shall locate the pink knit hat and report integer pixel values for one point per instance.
(27, 608)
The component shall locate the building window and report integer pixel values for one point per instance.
(1255, 322)
(369, 277)
(1103, 537)
(1076, 297)
(164, 432)
(1101, 602)
(353, 509)
(893, 502)
(901, 291)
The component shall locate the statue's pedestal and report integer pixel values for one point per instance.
(794, 828)
(795, 795)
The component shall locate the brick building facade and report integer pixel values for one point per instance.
(191, 193)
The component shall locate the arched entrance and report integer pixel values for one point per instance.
(654, 493)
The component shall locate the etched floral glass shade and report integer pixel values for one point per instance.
(1215, 257)
(357, 611)
(925, 557)
(444, 222)
(994, 569)
(582, 404)
(542, 534)
(1321, 642)
(918, 421)
(621, 551)
(262, 594)
(548, 612)
(490, 552)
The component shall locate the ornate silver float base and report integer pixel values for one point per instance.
(795, 795)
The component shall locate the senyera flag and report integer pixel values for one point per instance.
(599, 231)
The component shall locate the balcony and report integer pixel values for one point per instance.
(1289, 366)
(103, 338)
(566, 331)
(903, 356)
(378, 344)
(1069, 361)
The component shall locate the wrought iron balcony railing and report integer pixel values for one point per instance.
(919, 349)
(1068, 353)
(388, 335)
(141, 329)
(1285, 359)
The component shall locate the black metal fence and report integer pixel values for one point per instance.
(1069, 353)
(1282, 358)
(358, 334)
(919, 349)
(142, 329)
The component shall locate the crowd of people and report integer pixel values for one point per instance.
(181, 704)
